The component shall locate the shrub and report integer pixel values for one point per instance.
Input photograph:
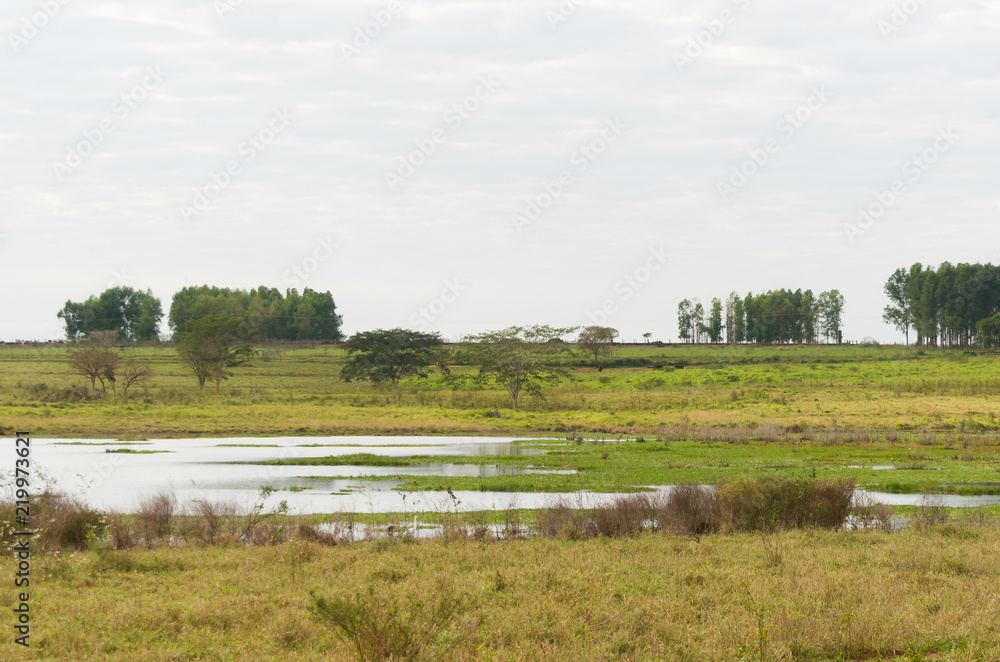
(66, 522)
(154, 515)
(761, 504)
(625, 516)
(562, 520)
(690, 509)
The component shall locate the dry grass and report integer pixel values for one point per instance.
(928, 594)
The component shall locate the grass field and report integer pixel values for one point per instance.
(890, 418)
(890, 389)
(805, 595)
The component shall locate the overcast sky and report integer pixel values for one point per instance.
(466, 166)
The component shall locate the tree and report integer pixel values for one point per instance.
(698, 321)
(831, 309)
(518, 358)
(988, 331)
(270, 314)
(134, 373)
(897, 313)
(382, 356)
(211, 346)
(133, 314)
(97, 364)
(599, 340)
(684, 317)
(715, 321)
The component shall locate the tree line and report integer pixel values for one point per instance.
(945, 306)
(263, 314)
(776, 316)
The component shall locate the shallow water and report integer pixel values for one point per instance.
(207, 469)
(210, 469)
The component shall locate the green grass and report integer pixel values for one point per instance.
(129, 451)
(352, 460)
(904, 389)
(632, 465)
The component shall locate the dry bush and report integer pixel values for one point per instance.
(310, 533)
(120, 534)
(512, 526)
(689, 509)
(154, 515)
(625, 516)
(561, 520)
(870, 515)
(215, 522)
(64, 522)
(342, 527)
(930, 512)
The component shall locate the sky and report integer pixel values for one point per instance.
(459, 167)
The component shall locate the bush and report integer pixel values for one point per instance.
(154, 515)
(67, 523)
(626, 516)
(690, 509)
(561, 520)
(764, 504)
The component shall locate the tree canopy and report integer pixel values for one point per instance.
(382, 356)
(944, 305)
(211, 346)
(598, 341)
(518, 358)
(269, 314)
(776, 316)
(132, 314)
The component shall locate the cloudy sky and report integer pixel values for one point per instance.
(465, 166)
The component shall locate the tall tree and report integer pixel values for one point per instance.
(715, 321)
(131, 314)
(270, 314)
(698, 321)
(684, 317)
(831, 308)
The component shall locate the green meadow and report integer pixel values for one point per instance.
(643, 390)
